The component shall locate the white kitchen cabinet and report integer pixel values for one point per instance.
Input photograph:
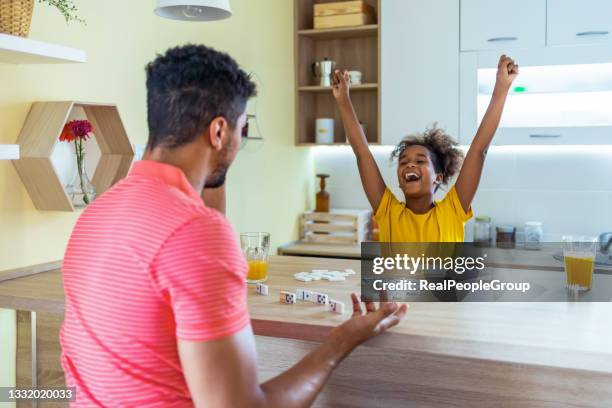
(496, 24)
(572, 22)
(419, 67)
(561, 97)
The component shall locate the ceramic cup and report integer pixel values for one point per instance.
(355, 77)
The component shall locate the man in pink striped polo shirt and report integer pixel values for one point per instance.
(156, 312)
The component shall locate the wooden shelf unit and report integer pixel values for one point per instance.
(370, 30)
(353, 48)
(38, 138)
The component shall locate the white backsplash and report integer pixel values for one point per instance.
(567, 188)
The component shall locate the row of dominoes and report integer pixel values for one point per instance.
(313, 297)
(288, 298)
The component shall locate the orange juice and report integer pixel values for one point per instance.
(579, 270)
(258, 271)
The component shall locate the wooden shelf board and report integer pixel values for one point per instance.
(370, 30)
(354, 88)
(9, 152)
(18, 50)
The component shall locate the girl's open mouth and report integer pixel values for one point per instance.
(411, 177)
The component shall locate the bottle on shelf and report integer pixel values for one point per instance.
(322, 198)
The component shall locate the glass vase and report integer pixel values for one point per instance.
(81, 191)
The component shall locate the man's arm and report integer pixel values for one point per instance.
(215, 198)
(223, 373)
(371, 179)
(469, 176)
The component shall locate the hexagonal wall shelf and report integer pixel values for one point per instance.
(39, 135)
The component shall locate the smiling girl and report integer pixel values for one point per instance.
(425, 163)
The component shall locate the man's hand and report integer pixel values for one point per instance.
(340, 85)
(223, 373)
(361, 327)
(507, 71)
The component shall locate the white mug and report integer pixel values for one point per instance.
(355, 77)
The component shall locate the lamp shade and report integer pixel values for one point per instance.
(194, 10)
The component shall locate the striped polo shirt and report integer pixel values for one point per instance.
(147, 263)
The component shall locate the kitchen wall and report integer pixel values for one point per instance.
(120, 38)
(568, 188)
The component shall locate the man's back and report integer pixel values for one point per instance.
(146, 262)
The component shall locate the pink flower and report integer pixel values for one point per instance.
(80, 128)
(76, 129)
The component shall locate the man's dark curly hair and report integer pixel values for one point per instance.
(187, 88)
(445, 155)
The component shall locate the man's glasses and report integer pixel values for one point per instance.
(245, 132)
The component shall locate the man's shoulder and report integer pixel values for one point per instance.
(207, 237)
(207, 223)
(152, 207)
(148, 195)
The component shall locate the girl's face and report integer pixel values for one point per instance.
(416, 173)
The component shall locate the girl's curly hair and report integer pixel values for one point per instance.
(445, 155)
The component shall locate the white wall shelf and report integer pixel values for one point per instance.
(18, 50)
(9, 152)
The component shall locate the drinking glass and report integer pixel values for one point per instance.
(579, 256)
(256, 246)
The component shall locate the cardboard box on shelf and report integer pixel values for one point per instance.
(343, 14)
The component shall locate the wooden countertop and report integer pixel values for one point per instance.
(321, 250)
(518, 258)
(563, 335)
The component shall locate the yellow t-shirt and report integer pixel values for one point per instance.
(445, 222)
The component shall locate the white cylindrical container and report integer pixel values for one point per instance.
(482, 231)
(324, 131)
(355, 77)
(534, 235)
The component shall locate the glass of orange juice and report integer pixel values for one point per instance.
(256, 246)
(579, 255)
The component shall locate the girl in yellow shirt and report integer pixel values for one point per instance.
(425, 162)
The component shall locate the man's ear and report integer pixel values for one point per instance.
(216, 132)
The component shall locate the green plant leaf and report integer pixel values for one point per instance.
(67, 8)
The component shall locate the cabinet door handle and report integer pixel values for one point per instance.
(543, 136)
(501, 39)
(592, 33)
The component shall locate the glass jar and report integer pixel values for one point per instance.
(506, 236)
(482, 231)
(533, 235)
